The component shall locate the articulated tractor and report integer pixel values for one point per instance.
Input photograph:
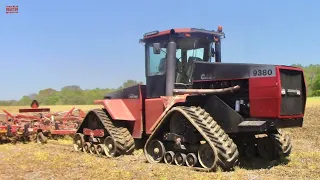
(195, 110)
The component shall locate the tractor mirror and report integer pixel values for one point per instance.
(212, 52)
(156, 48)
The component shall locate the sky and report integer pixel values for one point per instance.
(54, 43)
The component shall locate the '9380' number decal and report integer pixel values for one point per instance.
(263, 71)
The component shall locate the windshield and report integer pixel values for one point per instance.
(188, 50)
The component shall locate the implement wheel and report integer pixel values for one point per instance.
(41, 138)
(78, 142)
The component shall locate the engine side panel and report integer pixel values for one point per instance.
(222, 71)
(264, 97)
(223, 114)
(157, 108)
(154, 109)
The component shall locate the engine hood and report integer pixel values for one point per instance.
(214, 71)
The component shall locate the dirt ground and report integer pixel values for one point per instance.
(58, 160)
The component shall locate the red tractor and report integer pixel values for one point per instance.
(196, 112)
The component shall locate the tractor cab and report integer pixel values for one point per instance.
(169, 57)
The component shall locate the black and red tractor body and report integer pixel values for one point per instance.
(191, 105)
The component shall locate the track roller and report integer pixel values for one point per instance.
(192, 160)
(110, 148)
(100, 150)
(93, 149)
(78, 142)
(86, 147)
(169, 157)
(156, 151)
(180, 159)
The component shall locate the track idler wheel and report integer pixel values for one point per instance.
(156, 151)
(110, 148)
(180, 159)
(169, 157)
(192, 160)
(86, 147)
(78, 142)
(207, 156)
(41, 138)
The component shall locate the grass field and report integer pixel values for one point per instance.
(57, 160)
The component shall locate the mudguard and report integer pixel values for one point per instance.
(117, 109)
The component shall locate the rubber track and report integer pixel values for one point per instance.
(124, 140)
(282, 142)
(226, 149)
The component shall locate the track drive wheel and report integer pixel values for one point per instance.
(41, 138)
(207, 156)
(110, 148)
(156, 151)
(78, 142)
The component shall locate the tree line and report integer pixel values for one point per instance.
(68, 95)
(74, 95)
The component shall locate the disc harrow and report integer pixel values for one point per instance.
(38, 124)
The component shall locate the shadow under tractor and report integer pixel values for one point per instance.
(195, 110)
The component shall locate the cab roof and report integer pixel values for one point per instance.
(182, 32)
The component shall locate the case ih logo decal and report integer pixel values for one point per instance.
(206, 77)
(133, 96)
(12, 9)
